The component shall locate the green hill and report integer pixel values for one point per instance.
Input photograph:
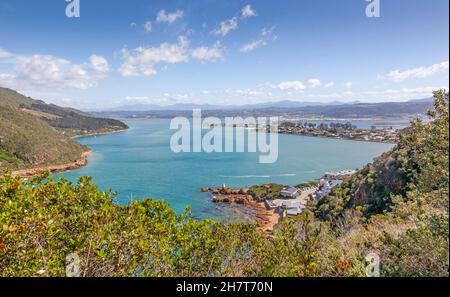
(35, 134)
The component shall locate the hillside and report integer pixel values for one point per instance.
(405, 190)
(394, 210)
(70, 121)
(35, 134)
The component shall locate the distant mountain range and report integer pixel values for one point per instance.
(190, 106)
(286, 108)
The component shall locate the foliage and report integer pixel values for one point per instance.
(409, 185)
(36, 134)
(396, 207)
(26, 141)
(264, 192)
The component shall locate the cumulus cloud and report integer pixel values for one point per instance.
(247, 12)
(314, 82)
(251, 46)
(419, 72)
(348, 85)
(226, 27)
(251, 93)
(229, 25)
(170, 18)
(267, 31)
(50, 72)
(148, 26)
(264, 39)
(99, 64)
(381, 95)
(206, 53)
(290, 86)
(142, 61)
(329, 85)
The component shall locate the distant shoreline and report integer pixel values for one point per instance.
(339, 138)
(98, 133)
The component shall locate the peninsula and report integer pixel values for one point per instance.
(36, 137)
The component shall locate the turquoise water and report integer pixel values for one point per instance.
(139, 163)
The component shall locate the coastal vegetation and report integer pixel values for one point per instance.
(35, 134)
(396, 208)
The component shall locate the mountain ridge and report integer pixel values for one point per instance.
(270, 104)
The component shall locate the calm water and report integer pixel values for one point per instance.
(139, 163)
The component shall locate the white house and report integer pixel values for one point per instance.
(290, 193)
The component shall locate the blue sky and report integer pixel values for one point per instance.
(223, 51)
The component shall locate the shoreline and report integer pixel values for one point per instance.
(98, 133)
(81, 162)
(27, 173)
(266, 219)
(338, 138)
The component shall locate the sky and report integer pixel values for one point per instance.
(227, 52)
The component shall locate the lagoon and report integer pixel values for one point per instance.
(138, 163)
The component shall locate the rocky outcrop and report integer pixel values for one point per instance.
(265, 219)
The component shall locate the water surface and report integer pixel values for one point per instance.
(139, 163)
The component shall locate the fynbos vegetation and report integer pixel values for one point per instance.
(35, 134)
(396, 207)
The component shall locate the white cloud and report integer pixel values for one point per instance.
(49, 72)
(348, 85)
(141, 61)
(251, 93)
(247, 12)
(266, 36)
(267, 31)
(329, 85)
(178, 97)
(380, 95)
(226, 27)
(7, 57)
(290, 85)
(148, 26)
(420, 72)
(99, 64)
(206, 53)
(170, 18)
(314, 82)
(132, 100)
(246, 48)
